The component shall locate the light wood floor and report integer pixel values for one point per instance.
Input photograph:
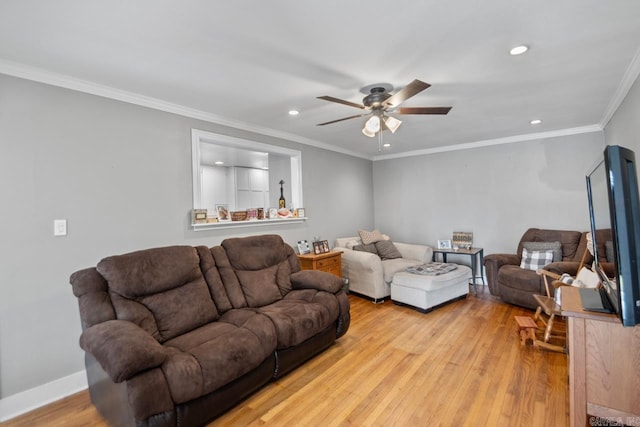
(460, 365)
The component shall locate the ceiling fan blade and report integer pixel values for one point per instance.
(413, 88)
(342, 101)
(339, 120)
(422, 110)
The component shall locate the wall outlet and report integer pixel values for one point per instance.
(59, 227)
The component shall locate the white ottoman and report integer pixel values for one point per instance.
(425, 291)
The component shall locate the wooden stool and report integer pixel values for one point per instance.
(527, 328)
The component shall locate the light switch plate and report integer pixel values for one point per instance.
(59, 227)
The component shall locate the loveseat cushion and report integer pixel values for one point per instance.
(162, 290)
(213, 355)
(255, 270)
(301, 315)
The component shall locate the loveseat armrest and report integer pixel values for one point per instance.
(422, 253)
(493, 263)
(365, 273)
(316, 279)
(561, 267)
(122, 348)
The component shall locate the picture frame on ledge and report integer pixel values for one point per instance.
(223, 213)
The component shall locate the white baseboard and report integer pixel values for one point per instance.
(28, 400)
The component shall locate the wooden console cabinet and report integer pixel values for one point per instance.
(331, 262)
(604, 365)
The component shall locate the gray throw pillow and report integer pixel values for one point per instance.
(556, 247)
(387, 250)
(371, 247)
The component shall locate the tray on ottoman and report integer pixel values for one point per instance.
(423, 291)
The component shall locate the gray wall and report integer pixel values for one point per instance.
(121, 175)
(496, 192)
(624, 127)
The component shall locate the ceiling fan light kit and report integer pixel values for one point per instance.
(379, 101)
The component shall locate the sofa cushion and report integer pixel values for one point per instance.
(556, 247)
(534, 260)
(514, 277)
(213, 355)
(162, 290)
(371, 248)
(387, 250)
(256, 252)
(301, 315)
(370, 236)
(260, 287)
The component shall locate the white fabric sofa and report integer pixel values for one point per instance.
(369, 275)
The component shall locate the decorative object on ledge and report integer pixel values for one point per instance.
(199, 216)
(462, 240)
(284, 213)
(238, 216)
(300, 213)
(281, 202)
(236, 224)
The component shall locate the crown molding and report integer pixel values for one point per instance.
(628, 79)
(498, 141)
(60, 80)
(73, 83)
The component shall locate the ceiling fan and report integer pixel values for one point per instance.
(379, 102)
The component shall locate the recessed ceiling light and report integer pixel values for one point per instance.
(386, 145)
(535, 121)
(294, 112)
(218, 163)
(519, 50)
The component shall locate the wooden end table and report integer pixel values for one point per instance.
(331, 262)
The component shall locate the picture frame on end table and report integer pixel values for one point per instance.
(321, 247)
(444, 244)
(303, 247)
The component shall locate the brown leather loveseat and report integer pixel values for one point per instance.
(178, 335)
(516, 285)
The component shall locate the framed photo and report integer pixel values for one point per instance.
(444, 244)
(321, 247)
(303, 247)
(300, 213)
(223, 212)
(273, 213)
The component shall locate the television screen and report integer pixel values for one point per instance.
(612, 189)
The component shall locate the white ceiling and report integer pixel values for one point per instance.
(248, 62)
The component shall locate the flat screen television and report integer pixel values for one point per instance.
(612, 190)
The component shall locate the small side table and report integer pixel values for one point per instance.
(331, 262)
(474, 254)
